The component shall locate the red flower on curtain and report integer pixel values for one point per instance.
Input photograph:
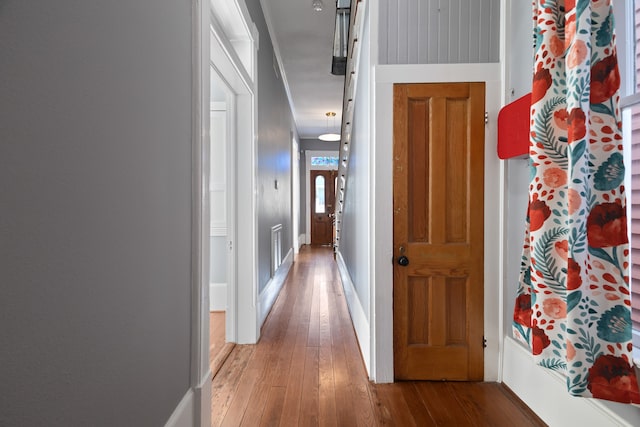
(539, 340)
(612, 378)
(605, 79)
(607, 225)
(560, 118)
(523, 311)
(538, 213)
(574, 279)
(576, 125)
(541, 83)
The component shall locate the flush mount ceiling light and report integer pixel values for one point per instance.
(330, 136)
(317, 5)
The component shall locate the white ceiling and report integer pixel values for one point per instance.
(303, 41)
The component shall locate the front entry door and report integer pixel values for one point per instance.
(322, 200)
(438, 187)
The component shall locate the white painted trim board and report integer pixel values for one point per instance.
(272, 288)
(356, 311)
(383, 79)
(218, 297)
(195, 404)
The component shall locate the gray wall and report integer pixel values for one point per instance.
(355, 238)
(439, 31)
(275, 124)
(95, 208)
(310, 145)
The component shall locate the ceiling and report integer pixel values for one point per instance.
(303, 42)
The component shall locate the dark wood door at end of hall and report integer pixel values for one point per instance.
(322, 206)
(438, 205)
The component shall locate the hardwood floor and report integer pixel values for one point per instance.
(307, 371)
(219, 350)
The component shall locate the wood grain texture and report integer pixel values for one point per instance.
(438, 199)
(219, 349)
(321, 222)
(307, 371)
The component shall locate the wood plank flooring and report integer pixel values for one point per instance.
(219, 350)
(307, 371)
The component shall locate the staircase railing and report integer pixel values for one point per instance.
(353, 55)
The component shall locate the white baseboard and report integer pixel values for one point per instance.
(203, 395)
(545, 392)
(194, 408)
(217, 296)
(358, 316)
(183, 415)
(302, 240)
(272, 289)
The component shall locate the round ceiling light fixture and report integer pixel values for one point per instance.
(317, 5)
(329, 136)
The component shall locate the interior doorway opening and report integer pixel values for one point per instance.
(222, 215)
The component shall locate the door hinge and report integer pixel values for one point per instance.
(484, 342)
(486, 117)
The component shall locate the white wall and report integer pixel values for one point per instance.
(95, 225)
(518, 78)
(219, 194)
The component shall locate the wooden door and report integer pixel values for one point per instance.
(322, 206)
(438, 202)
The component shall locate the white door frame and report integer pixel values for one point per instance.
(309, 168)
(242, 317)
(295, 193)
(212, 48)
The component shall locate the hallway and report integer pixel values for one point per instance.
(307, 370)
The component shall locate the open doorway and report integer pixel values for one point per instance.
(222, 220)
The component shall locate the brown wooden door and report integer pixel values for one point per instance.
(322, 209)
(438, 198)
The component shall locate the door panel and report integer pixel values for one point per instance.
(438, 227)
(322, 209)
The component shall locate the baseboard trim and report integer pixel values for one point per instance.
(203, 395)
(545, 391)
(217, 296)
(358, 316)
(194, 408)
(272, 289)
(183, 415)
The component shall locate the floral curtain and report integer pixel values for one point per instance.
(573, 304)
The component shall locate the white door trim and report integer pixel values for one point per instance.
(195, 405)
(381, 178)
(295, 193)
(242, 316)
